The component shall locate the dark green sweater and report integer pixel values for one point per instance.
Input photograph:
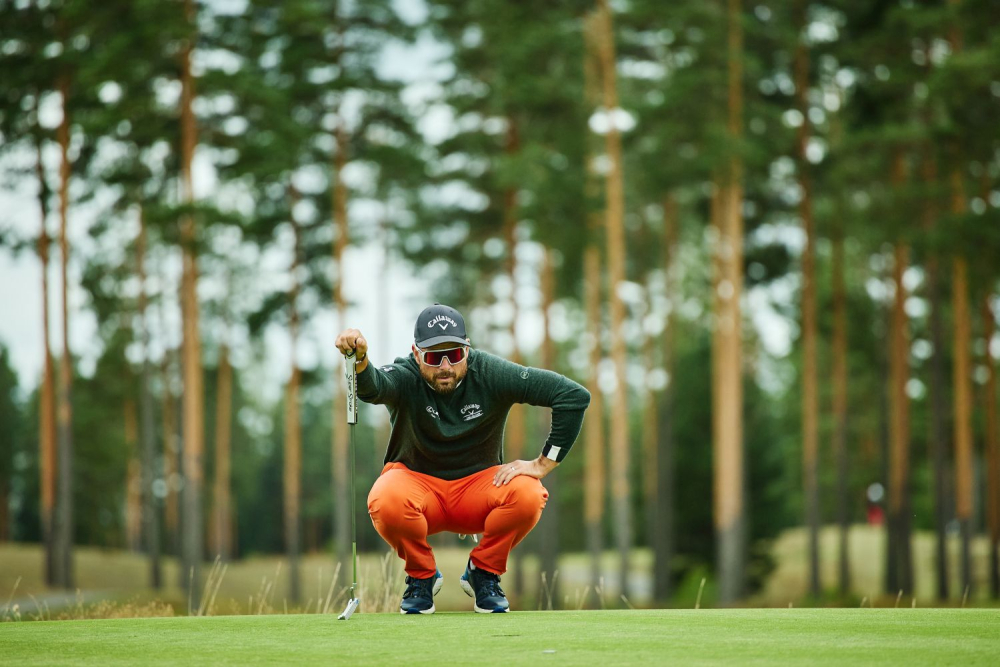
(450, 436)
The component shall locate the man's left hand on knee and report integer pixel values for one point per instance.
(537, 468)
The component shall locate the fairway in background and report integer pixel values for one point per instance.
(120, 576)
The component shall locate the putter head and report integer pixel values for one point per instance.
(352, 606)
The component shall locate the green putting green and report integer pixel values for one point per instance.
(765, 636)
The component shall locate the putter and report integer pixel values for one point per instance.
(352, 419)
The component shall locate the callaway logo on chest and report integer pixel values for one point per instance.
(471, 411)
(442, 321)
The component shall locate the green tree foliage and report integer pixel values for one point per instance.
(515, 146)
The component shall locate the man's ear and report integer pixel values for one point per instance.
(413, 349)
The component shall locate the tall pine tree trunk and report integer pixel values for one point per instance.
(963, 416)
(293, 431)
(841, 426)
(594, 483)
(341, 490)
(810, 382)
(884, 432)
(992, 451)
(193, 401)
(549, 533)
(64, 509)
(962, 374)
(938, 454)
(46, 406)
(150, 503)
(727, 353)
(663, 527)
(962, 362)
(222, 542)
(615, 205)
(840, 454)
(899, 419)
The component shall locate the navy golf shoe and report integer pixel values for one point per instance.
(485, 588)
(419, 595)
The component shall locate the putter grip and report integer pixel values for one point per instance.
(352, 390)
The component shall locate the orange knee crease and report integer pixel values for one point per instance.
(526, 498)
(404, 522)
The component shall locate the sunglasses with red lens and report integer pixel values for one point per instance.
(454, 355)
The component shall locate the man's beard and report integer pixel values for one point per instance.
(446, 389)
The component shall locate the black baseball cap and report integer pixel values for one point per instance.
(439, 324)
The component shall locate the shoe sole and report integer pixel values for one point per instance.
(467, 587)
(422, 611)
(438, 583)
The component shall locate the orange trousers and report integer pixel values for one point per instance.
(407, 506)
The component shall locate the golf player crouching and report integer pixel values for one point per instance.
(444, 468)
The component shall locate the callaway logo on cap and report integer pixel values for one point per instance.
(439, 324)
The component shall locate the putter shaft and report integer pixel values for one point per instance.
(352, 418)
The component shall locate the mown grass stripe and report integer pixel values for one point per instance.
(747, 636)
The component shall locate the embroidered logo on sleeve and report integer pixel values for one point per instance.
(471, 411)
(524, 375)
(432, 412)
(388, 369)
